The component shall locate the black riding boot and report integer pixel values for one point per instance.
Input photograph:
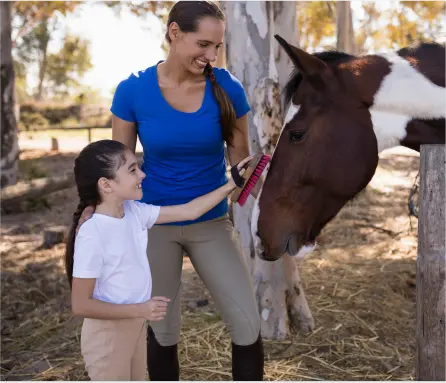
(162, 361)
(248, 361)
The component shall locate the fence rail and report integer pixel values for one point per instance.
(88, 128)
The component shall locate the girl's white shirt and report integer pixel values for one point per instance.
(114, 251)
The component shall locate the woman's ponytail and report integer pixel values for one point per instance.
(227, 112)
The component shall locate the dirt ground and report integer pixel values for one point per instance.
(358, 285)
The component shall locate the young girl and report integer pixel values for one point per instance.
(106, 262)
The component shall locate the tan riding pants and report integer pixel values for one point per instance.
(216, 255)
(114, 349)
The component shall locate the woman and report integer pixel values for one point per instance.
(183, 112)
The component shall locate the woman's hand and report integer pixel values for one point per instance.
(86, 215)
(241, 167)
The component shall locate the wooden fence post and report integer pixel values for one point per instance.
(430, 329)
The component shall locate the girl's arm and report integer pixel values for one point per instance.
(198, 206)
(84, 305)
(195, 208)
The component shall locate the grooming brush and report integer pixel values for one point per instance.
(246, 183)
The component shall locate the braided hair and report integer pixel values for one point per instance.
(187, 15)
(97, 160)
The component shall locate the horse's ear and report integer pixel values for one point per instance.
(305, 63)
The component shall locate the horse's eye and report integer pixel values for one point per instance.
(296, 136)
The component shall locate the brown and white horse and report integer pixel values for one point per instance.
(343, 110)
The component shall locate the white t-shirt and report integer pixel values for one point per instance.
(113, 250)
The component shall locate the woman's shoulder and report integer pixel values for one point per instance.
(135, 78)
(228, 81)
(224, 75)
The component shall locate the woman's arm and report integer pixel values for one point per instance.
(84, 305)
(124, 131)
(240, 148)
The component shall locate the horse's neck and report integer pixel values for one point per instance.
(407, 92)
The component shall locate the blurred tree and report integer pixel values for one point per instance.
(34, 23)
(316, 21)
(412, 21)
(345, 35)
(9, 147)
(28, 14)
(158, 8)
(66, 67)
(33, 27)
(391, 25)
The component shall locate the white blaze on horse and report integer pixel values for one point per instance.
(343, 111)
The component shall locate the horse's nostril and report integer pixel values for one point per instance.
(293, 245)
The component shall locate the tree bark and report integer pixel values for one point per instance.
(263, 68)
(221, 58)
(9, 139)
(344, 28)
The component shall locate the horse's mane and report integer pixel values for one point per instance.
(328, 56)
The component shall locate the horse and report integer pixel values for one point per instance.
(343, 111)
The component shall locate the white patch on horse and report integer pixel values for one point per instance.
(389, 128)
(303, 251)
(258, 248)
(408, 92)
(292, 111)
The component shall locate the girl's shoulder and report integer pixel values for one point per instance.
(89, 228)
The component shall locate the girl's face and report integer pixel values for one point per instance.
(127, 183)
(196, 49)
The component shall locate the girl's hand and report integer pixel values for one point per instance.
(155, 309)
(241, 167)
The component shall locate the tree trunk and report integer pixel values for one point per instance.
(263, 68)
(344, 28)
(9, 141)
(42, 70)
(13, 196)
(221, 58)
(44, 39)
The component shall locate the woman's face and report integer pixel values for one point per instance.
(196, 49)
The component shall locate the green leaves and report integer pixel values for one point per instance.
(66, 67)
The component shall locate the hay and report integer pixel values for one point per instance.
(365, 327)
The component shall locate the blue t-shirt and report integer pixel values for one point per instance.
(183, 152)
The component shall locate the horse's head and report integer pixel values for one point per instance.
(326, 154)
